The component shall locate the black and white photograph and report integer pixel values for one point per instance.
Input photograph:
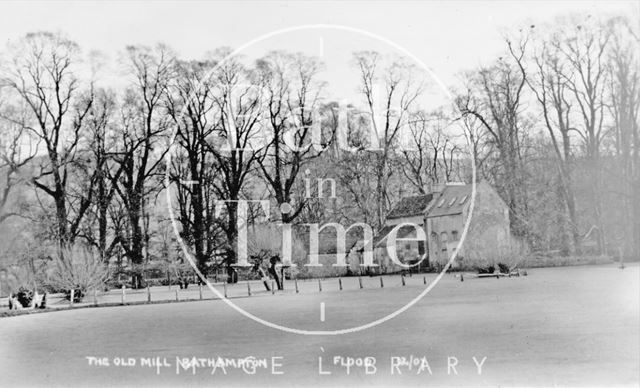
(320, 193)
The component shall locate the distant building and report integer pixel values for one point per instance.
(442, 215)
(409, 209)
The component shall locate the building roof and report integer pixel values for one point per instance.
(411, 206)
(451, 201)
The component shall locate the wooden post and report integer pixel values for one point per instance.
(340, 283)
(200, 290)
(225, 290)
(123, 294)
(95, 297)
(461, 277)
(248, 288)
(148, 294)
(424, 279)
(273, 288)
(381, 282)
(403, 282)
(296, 283)
(282, 278)
(177, 298)
(319, 285)
(360, 281)
(71, 297)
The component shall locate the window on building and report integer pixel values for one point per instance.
(444, 237)
(454, 235)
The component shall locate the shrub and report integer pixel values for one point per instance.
(78, 269)
(24, 296)
(23, 276)
(488, 269)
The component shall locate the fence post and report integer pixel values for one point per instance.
(403, 283)
(248, 288)
(340, 283)
(177, 298)
(123, 294)
(225, 290)
(148, 294)
(424, 279)
(360, 281)
(319, 285)
(200, 290)
(296, 283)
(381, 282)
(273, 287)
(71, 297)
(95, 296)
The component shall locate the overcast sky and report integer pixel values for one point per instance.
(447, 36)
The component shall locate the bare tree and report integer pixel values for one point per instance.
(41, 73)
(191, 106)
(624, 106)
(100, 149)
(17, 149)
(583, 47)
(291, 97)
(141, 146)
(390, 94)
(236, 145)
(550, 87)
(494, 97)
(433, 156)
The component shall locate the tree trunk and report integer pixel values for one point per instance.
(232, 241)
(636, 212)
(198, 217)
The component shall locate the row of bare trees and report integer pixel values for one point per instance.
(552, 124)
(574, 86)
(100, 152)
